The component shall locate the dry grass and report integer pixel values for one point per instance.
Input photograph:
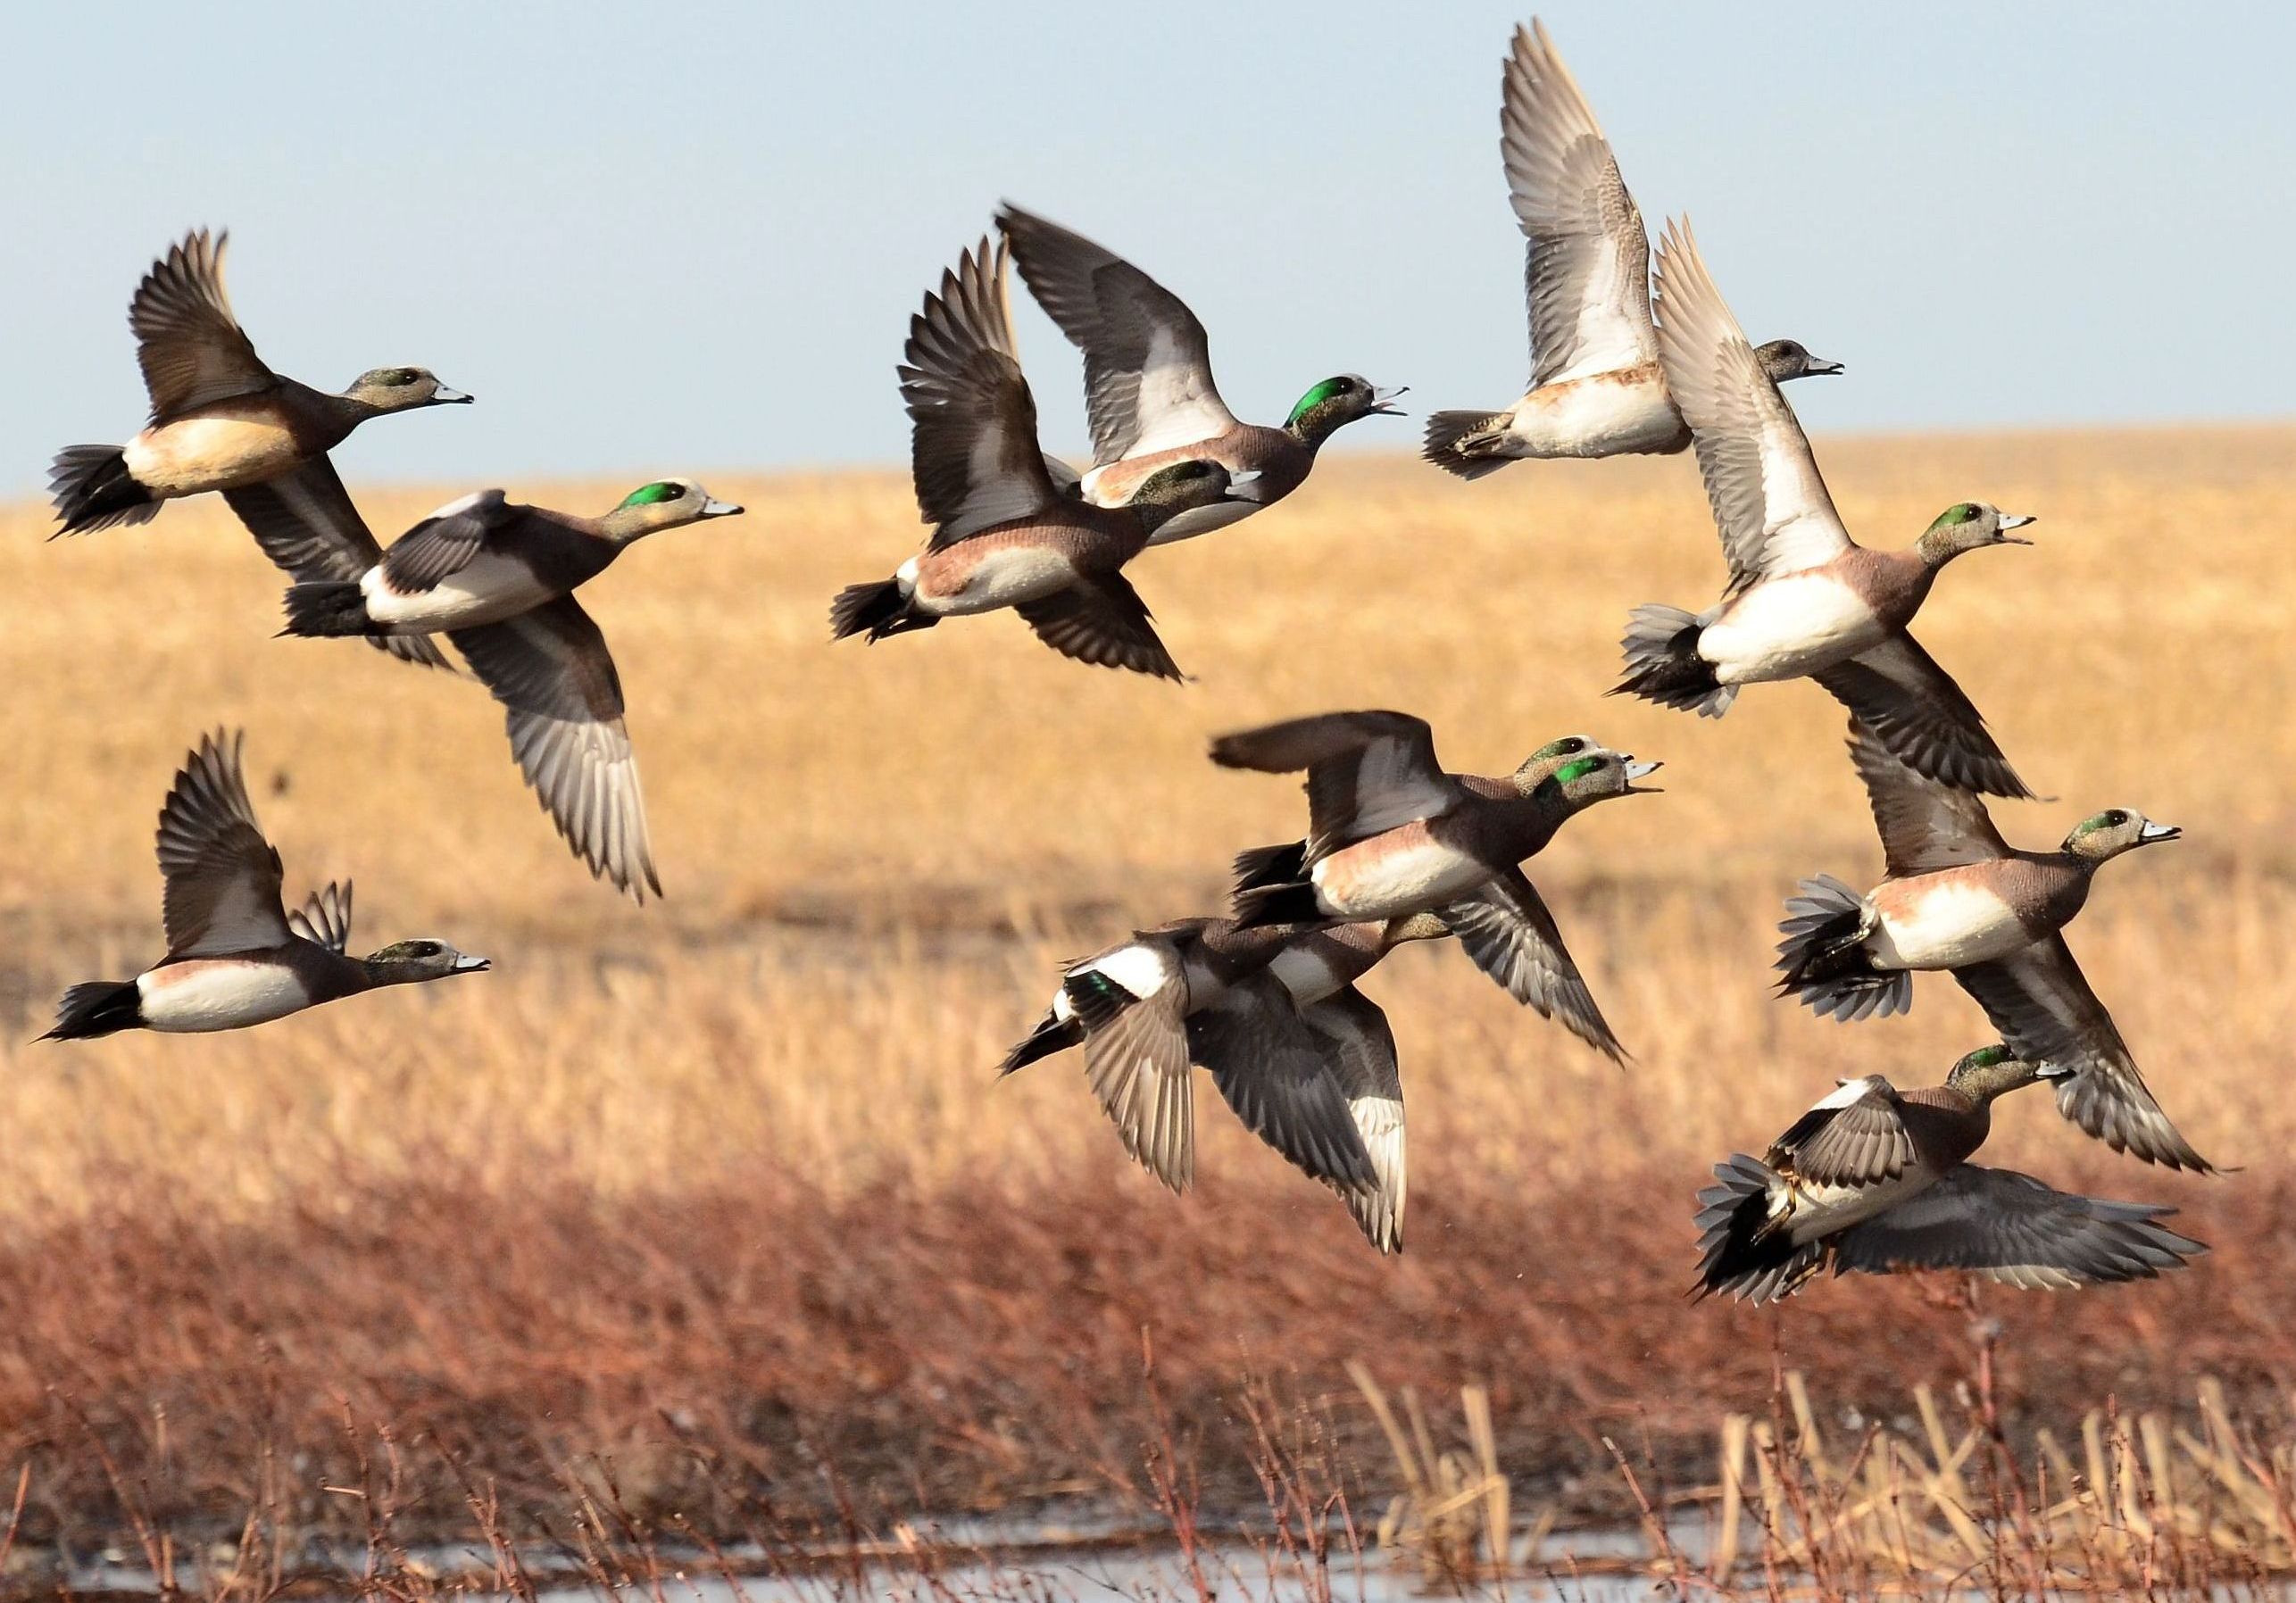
(725, 1185)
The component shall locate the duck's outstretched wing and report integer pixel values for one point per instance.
(192, 350)
(222, 876)
(324, 920)
(1368, 772)
(1359, 1049)
(1770, 503)
(1925, 824)
(2010, 1227)
(1101, 619)
(2046, 1011)
(551, 672)
(1586, 268)
(1148, 384)
(1271, 1071)
(1914, 708)
(972, 434)
(1509, 933)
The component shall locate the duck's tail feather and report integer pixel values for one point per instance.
(1663, 664)
(1740, 1253)
(880, 609)
(93, 489)
(1294, 903)
(1464, 442)
(1051, 1034)
(1271, 864)
(1823, 960)
(320, 608)
(97, 1007)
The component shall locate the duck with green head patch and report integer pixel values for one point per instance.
(1149, 393)
(1392, 834)
(221, 418)
(497, 578)
(1004, 535)
(1876, 1181)
(1957, 898)
(1305, 1059)
(1596, 385)
(1804, 600)
(236, 956)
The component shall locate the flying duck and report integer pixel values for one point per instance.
(1957, 898)
(1875, 1180)
(220, 418)
(1305, 1059)
(1596, 388)
(1391, 834)
(1002, 535)
(1149, 393)
(236, 956)
(1805, 600)
(498, 579)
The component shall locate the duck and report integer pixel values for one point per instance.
(1596, 388)
(221, 418)
(497, 578)
(1303, 1058)
(236, 957)
(1957, 898)
(1149, 393)
(1003, 535)
(1392, 834)
(1875, 1180)
(1804, 601)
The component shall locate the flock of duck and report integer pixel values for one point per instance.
(1630, 356)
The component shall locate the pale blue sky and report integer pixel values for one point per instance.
(690, 235)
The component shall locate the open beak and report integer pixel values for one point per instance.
(1637, 771)
(443, 396)
(2010, 520)
(1820, 368)
(2152, 833)
(467, 964)
(714, 508)
(1380, 398)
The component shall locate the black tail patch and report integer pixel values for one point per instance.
(1462, 441)
(1051, 1035)
(1822, 958)
(93, 489)
(1663, 664)
(97, 1007)
(322, 608)
(881, 609)
(1271, 866)
(1743, 1253)
(1293, 903)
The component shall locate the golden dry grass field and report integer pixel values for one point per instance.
(738, 1162)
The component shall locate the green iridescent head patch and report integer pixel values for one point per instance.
(1968, 511)
(650, 494)
(1986, 1057)
(1316, 397)
(1571, 773)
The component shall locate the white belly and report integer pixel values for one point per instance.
(196, 454)
(1001, 577)
(1784, 628)
(487, 589)
(1948, 925)
(1409, 872)
(218, 993)
(1602, 415)
(1823, 1210)
(1201, 520)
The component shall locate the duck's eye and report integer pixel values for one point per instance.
(1340, 386)
(2115, 819)
(426, 949)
